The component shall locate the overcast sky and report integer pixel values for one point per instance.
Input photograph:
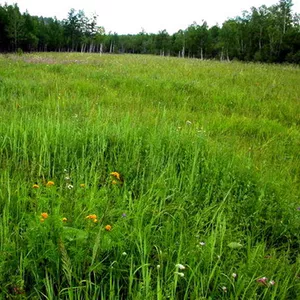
(131, 16)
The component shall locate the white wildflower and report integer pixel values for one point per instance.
(179, 274)
(180, 266)
(272, 282)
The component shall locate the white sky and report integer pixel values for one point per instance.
(131, 16)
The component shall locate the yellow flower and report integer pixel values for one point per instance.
(116, 175)
(95, 220)
(82, 185)
(92, 217)
(114, 182)
(44, 215)
(108, 228)
(42, 220)
(64, 219)
(35, 186)
(50, 183)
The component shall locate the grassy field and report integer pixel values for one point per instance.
(139, 177)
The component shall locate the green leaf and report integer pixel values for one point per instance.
(235, 245)
(72, 234)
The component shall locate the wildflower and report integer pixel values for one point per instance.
(35, 186)
(116, 175)
(158, 267)
(271, 282)
(44, 215)
(92, 217)
(224, 288)
(64, 219)
(262, 280)
(113, 182)
(42, 220)
(70, 186)
(202, 244)
(67, 178)
(108, 228)
(50, 183)
(188, 122)
(180, 266)
(234, 275)
(95, 220)
(18, 290)
(124, 253)
(82, 185)
(124, 215)
(179, 274)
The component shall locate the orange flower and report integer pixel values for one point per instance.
(82, 185)
(64, 219)
(44, 215)
(35, 186)
(92, 217)
(108, 228)
(116, 175)
(49, 183)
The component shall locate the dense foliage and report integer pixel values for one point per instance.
(267, 34)
(148, 177)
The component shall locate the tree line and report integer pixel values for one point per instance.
(266, 34)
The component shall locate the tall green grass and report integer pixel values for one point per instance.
(208, 155)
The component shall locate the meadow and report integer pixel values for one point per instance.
(146, 177)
